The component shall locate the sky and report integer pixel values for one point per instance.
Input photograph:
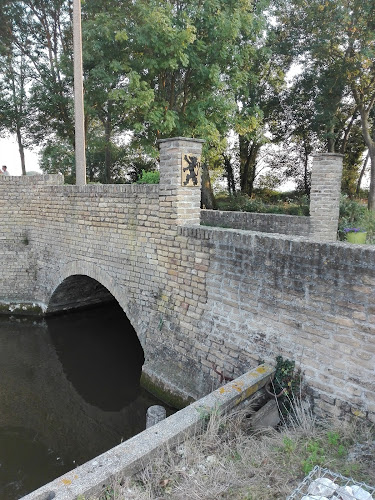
(9, 156)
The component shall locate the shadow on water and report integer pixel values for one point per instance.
(69, 390)
(100, 354)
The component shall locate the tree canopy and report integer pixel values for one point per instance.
(219, 70)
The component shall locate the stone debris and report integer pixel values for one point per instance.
(361, 494)
(322, 487)
(326, 489)
(313, 497)
(267, 416)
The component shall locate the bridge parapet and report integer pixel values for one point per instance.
(198, 296)
(47, 179)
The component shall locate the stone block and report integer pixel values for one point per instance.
(267, 416)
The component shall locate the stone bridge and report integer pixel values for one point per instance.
(199, 295)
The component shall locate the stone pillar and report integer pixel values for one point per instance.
(154, 415)
(325, 195)
(180, 180)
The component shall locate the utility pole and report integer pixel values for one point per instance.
(79, 116)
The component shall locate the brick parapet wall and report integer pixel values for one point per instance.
(267, 223)
(311, 302)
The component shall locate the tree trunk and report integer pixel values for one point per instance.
(208, 199)
(371, 194)
(231, 185)
(21, 149)
(363, 170)
(248, 156)
(331, 140)
(306, 173)
(370, 143)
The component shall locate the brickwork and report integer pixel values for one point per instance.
(325, 195)
(177, 201)
(265, 223)
(198, 296)
(311, 302)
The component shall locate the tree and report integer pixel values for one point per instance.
(39, 32)
(189, 54)
(113, 94)
(13, 101)
(14, 112)
(337, 39)
(258, 79)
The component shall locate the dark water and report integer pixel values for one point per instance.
(69, 390)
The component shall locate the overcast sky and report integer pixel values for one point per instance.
(10, 157)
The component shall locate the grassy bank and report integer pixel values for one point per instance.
(229, 461)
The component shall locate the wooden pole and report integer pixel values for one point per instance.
(79, 116)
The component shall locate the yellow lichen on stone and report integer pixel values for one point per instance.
(67, 482)
(246, 394)
(238, 386)
(358, 413)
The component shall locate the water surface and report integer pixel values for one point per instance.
(69, 390)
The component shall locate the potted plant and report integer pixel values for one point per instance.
(355, 234)
(356, 223)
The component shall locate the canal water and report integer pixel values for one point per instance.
(69, 390)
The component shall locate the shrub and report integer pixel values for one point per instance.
(354, 213)
(282, 203)
(149, 177)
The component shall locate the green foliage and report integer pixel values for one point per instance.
(199, 69)
(108, 494)
(315, 456)
(354, 214)
(58, 158)
(287, 379)
(283, 203)
(206, 414)
(149, 178)
(289, 445)
(368, 223)
(334, 41)
(317, 450)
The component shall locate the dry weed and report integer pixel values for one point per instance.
(230, 462)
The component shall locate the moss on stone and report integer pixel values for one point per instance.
(21, 309)
(164, 394)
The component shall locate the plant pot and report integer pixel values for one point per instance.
(356, 237)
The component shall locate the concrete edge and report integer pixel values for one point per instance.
(131, 456)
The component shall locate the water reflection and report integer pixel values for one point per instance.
(100, 355)
(69, 391)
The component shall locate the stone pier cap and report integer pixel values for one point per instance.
(128, 458)
(182, 139)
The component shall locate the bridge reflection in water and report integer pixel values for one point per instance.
(69, 391)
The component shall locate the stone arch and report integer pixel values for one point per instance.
(81, 284)
(86, 269)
